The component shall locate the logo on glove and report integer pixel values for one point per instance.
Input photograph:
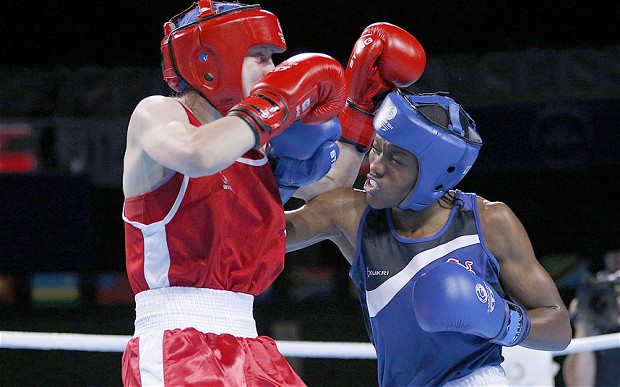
(333, 155)
(359, 49)
(485, 295)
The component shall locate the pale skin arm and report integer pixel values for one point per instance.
(524, 279)
(160, 138)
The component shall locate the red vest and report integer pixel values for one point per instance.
(224, 231)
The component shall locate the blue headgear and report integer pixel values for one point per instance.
(438, 132)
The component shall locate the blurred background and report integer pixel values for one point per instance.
(541, 80)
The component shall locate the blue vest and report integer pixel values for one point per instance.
(384, 269)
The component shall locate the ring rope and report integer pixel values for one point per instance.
(309, 349)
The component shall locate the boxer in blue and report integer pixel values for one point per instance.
(445, 278)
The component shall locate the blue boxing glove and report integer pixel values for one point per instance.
(303, 154)
(450, 298)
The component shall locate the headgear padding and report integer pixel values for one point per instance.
(207, 48)
(438, 132)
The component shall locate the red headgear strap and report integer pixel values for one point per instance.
(206, 8)
(208, 54)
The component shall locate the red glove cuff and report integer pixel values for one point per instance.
(265, 114)
(357, 128)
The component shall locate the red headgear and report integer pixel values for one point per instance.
(208, 53)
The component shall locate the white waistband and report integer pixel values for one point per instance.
(207, 310)
(485, 376)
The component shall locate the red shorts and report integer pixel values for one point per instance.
(189, 357)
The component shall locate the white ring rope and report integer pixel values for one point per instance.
(309, 349)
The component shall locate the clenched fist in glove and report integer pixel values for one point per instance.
(303, 154)
(308, 87)
(384, 58)
(450, 298)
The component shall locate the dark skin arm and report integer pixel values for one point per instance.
(524, 279)
(334, 216)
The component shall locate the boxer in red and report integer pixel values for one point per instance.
(204, 219)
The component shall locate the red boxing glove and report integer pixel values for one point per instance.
(306, 86)
(384, 58)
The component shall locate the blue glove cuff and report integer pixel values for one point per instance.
(516, 328)
(286, 193)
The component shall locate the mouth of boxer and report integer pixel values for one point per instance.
(370, 185)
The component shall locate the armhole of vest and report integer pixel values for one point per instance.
(190, 116)
(358, 241)
(360, 229)
(173, 210)
(473, 200)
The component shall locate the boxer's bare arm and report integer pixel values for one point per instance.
(523, 277)
(160, 139)
(333, 215)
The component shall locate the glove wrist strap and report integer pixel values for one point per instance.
(265, 113)
(357, 128)
(516, 327)
(286, 192)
